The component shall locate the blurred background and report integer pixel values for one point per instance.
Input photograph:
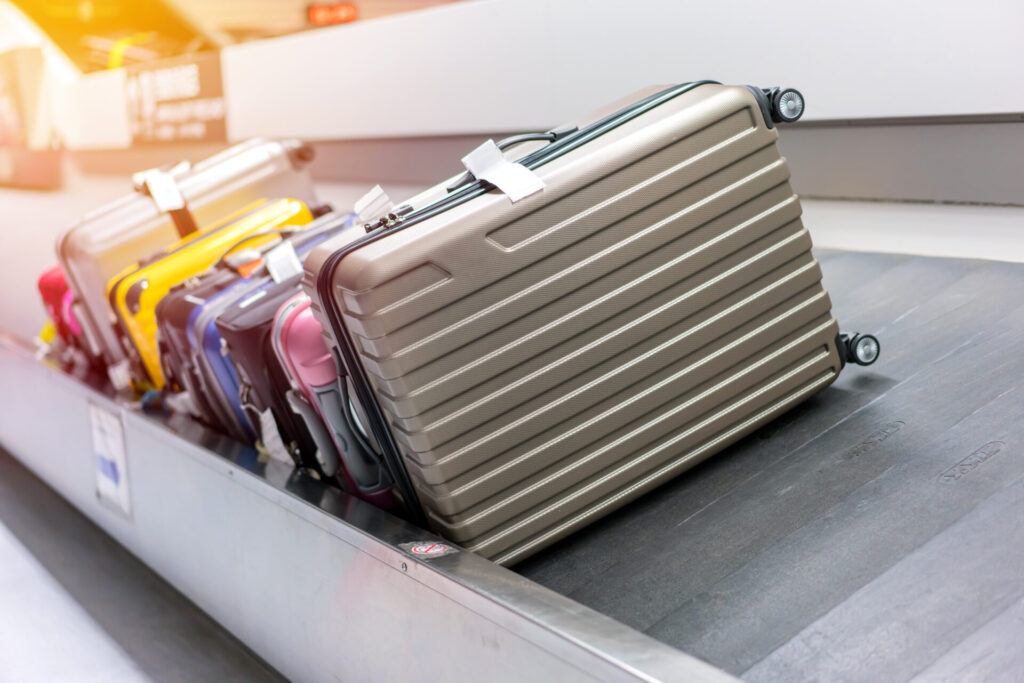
(913, 142)
(913, 114)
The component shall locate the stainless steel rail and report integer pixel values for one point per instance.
(321, 585)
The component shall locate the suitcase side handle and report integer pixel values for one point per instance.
(365, 470)
(326, 452)
(549, 136)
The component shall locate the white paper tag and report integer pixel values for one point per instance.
(111, 459)
(163, 189)
(487, 162)
(271, 438)
(120, 375)
(182, 403)
(373, 204)
(282, 262)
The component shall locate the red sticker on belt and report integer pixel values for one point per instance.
(429, 548)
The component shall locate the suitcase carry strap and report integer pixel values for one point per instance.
(348, 356)
(162, 186)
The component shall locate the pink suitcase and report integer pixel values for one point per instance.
(321, 400)
(57, 298)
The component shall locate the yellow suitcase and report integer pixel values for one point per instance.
(134, 292)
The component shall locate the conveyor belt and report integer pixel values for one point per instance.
(874, 533)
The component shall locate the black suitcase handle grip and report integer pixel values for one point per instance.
(366, 470)
(326, 452)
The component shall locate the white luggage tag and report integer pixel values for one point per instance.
(487, 162)
(272, 441)
(373, 204)
(282, 262)
(162, 187)
(182, 403)
(120, 375)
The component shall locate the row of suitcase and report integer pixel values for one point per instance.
(230, 340)
(195, 322)
(579, 316)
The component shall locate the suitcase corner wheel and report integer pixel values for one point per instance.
(862, 349)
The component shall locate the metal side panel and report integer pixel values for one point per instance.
(313, 581)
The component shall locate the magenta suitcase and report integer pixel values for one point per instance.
(321, 400)
(57, 298)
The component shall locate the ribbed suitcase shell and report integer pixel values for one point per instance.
(130, 229)
(544, 362)
(151, 280)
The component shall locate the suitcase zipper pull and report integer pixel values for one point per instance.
(390, 219)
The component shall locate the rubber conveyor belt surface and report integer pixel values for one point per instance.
(874, 533)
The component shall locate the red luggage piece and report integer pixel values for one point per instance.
(57, 299)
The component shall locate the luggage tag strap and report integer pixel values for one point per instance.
(376, 210)
(487, 162)
(161, 185)
(470, 175)
(373, 204)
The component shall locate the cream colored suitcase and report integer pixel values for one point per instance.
(137, 226)
(528, 366)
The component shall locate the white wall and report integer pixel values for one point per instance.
(501, 65)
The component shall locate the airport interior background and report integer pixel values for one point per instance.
(873, 532)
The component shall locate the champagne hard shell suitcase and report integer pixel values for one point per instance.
(583, 316)
(165, 206)
(135, 292)
(318, 397)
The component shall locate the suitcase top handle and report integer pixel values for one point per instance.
(550, 136)
(161, 184)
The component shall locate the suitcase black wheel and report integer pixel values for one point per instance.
(863, 349)
(787, 105)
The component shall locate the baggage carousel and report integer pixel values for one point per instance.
(876, 532)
